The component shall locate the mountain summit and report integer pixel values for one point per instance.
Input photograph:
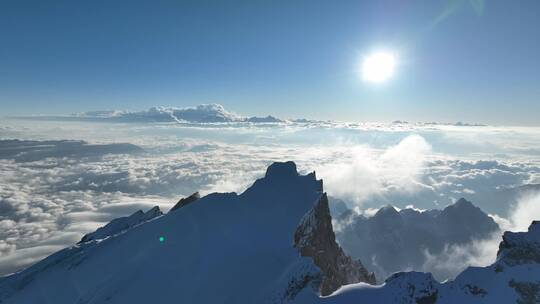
(272, 243)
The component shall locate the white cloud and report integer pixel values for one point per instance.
(455, 258)
(369, 164)
(526, 210)
(364, 172)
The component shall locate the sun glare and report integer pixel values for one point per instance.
(378, 67)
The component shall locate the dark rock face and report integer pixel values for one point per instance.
(186, 200)
(529, 292)
(519, 248)
(315, 238)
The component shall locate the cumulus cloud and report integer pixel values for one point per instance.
(455, 258)
(366, 173)
(527, 209)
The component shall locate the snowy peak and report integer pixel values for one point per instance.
(462, 205)
(122, 224)
(387, 212)
(273, 243)
(284, 175)
(281, 170)
(388, 209)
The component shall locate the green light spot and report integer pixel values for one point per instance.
(162, 239)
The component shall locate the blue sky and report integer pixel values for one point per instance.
(475, 61)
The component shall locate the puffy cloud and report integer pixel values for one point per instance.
(363, 172)
(456, 257)
(527, 209)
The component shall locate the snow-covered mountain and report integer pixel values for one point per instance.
(273, 243)
(265, 245)
(392, 241)
(204, 113)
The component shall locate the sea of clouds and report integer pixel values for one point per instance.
(50, 200)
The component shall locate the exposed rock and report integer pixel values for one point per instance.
(186, 200)
(529, 292)
(474, 290)
(315, 238)
(519, 248)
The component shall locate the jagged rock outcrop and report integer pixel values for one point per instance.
(518, 248)
(122, 224)
(186, 201)
(315, 238)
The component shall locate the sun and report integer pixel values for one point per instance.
(378, 67)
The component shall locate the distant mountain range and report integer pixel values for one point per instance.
(273, 243)
(392, 240)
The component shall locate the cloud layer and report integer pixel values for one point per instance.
(48, 202)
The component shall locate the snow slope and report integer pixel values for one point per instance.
(221, 248)
(271, 244)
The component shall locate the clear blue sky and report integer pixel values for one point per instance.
(476, 61)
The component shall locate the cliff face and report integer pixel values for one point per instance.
(519, 248)
(315, 238)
